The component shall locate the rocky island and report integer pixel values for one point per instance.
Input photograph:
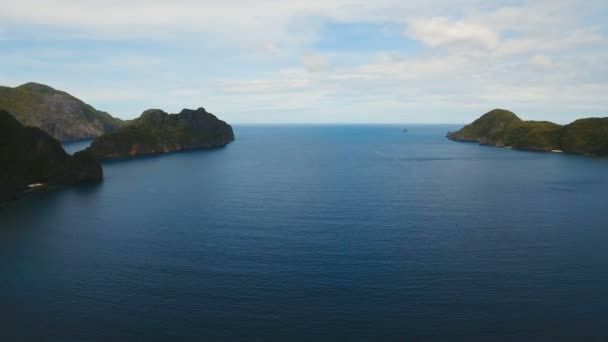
(58, 113)
(155, 131)
(503, 128)
(30, 158)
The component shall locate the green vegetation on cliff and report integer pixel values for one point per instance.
(534, 136)
(157, 132)
(587, 136)
(58, 113)
(490, 129)
(28, 156)
(500, 127)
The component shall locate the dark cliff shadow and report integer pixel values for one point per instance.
(50, 194)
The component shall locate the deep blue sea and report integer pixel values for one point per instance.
(315, 233)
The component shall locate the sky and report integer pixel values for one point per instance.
(316, 61)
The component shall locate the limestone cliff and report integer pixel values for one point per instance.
(155, 131)
(58, 113)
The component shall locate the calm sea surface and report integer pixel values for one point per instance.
(335, 233)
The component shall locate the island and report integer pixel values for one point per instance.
(32, 159)
(56, 112)
(504, 128)
(155, 131)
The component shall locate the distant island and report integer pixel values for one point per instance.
(31, 159)
(155, 131)
(58, 113)
(503, 128)
(34, 118)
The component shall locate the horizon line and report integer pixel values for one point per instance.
(279, 123)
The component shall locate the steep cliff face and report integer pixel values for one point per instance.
(157, 132)
(58, 113)
(28, 156)
(503, 128)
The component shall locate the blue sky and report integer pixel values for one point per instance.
(356, 61)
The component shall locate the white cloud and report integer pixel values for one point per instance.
(449, 83)
(315, 62)
(551, 41)
(266, 86)
(474, 55)
(260, 25)
(542, 61)
(440, 31)
(184, 92)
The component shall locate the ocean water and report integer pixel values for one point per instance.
(315, 233)
(72, 147)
